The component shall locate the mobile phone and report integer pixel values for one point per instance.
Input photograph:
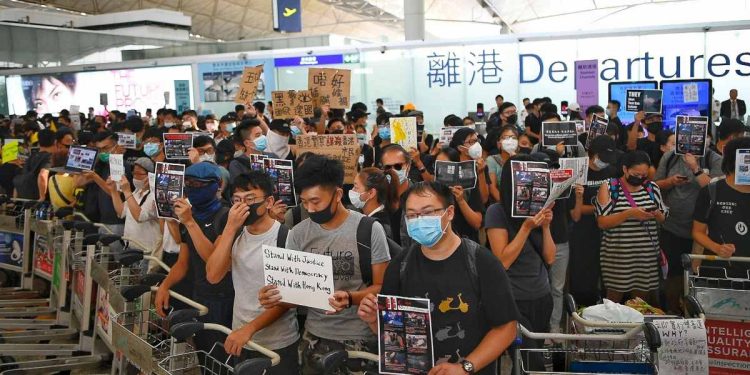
(564, 108)
(680, 177)
(480, 110)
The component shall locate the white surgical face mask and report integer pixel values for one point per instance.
(238, 153)
(207, 157)
(211, 126)
(510, 145)
(140, 184)
(475, 151)
(278, 144)
(600, 164)
(356, 199)
(187, 124)
(168, 124)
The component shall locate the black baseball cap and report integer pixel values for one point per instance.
(359, 106)
(604, 146)
(355, 114)
(280, 126)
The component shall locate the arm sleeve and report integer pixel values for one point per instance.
(605, 210)
(714, 167)
(661, 170)
(498, 305)
(702, 203)
(378, 245)
(660, 200)
(148, 209)
(291, 240)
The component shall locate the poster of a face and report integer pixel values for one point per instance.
(126, 89)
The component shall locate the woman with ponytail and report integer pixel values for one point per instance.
(375, 193)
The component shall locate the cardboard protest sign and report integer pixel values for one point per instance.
(598, 127)
(302, 278)
(556, 132)
(282, 175)
(330, 86)
(248, 85)
(405, 344)
(580, 167)
(404, 132)
(684, 346)
(10, 150)
(342, 147)
(289, 104)
(446, 134)
(648, 101)
(103, 99)
(741, 167)
(176, 145)
(531, 187)
(456, 174)
(126, 140)
(690, 135)
(170, 184)
(116, 168)
(562, 180)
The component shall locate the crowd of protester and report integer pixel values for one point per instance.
(619, 236)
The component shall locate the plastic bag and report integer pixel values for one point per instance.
(612, 313)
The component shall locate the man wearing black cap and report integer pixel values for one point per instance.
(728, 130)
(585, 235)
(357, 117)
(278, 135)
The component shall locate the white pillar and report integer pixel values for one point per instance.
(414, 19)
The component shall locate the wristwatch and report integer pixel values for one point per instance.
(698, 173)
(467, 366)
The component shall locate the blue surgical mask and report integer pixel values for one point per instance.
(402, 175)
(261, 143)
(362, 138)
(230, 126)
(384, 132)
(151, 149)
(600, 164)
(426, 230)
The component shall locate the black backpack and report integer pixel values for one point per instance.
(25, 182)
(364, 240)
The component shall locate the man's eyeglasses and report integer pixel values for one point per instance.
(247, 199)
(207, 150)
(470, 142)
(414, 215)
(398, 167)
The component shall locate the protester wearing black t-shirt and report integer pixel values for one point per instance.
(722, 228)
(526, 249)
(437, 268)
(201, 215)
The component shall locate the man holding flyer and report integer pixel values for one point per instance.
(474, 316)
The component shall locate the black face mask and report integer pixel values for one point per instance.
(635, 180)
(655, 127)
(524, 150)
(512, 119)
(253, 213)
(325, 215)
(338, 131)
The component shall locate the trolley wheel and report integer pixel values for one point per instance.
(329, 362)
(570, 304)
(694, 308)
(652, 337)
(255, 366)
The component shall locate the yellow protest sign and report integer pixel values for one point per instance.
(10, 152)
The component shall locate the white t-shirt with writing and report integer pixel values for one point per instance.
(146, 228)
(247, 277)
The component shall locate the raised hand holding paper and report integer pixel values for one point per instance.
(648, 101)
(282, 175)
(598, 127)
(404, 131)
(580, 167)
(302, 278)
(531, 187)
(116, 168)
(456, 173)
(170, 183)
(690, 135)
(560, 131)
(404, 335)
(176, 145)
(742, 167)
(126, 140)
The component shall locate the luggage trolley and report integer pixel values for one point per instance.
(727, 303)
(210, 363)
(142, 336)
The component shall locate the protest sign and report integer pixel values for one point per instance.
(648, 101)
(170, 183)
(580, 167)
(256, 162)
(342, 147)
(126, 140)
(248, 85)
(446, 134)
(741, 167)
(690, 135)
(561, 131)
(330, 87)
(404, 335)
(598, 127)
(116, 168)
(531, 187)
(103, 99)
(580, 127)
(176, 145)
(282, 175)
(404, 132)
(684, 347)
(302, 278)
(456, 173)
(10, 150)
(562, 180)
(75, 117)
(290, 104)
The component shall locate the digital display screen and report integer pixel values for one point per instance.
(618, 91)
(685, 98)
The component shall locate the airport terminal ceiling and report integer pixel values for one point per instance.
(383, 20)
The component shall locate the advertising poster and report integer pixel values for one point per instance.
(282, 175)
(648, 101)
(122, 89)
(531, 187)
(177, 145)
(742, 167)
(728, 347)
(342, 147)
(302, 278)
(404, 132)
(220, 81)
(11, 248)
(170, 184)
(587, 83)
(561, 131)
(43, 260)
(404, 335)
(598, 127)
(456, 174)
(690, 135)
